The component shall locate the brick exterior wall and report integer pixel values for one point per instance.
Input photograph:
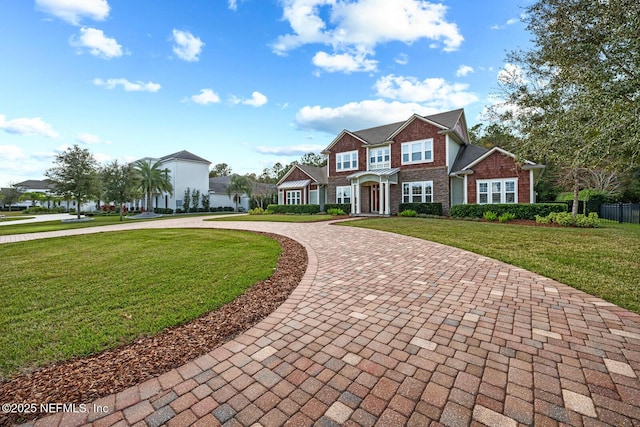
(347, 143)
(499, 165)
(415, 131)
(440, 179)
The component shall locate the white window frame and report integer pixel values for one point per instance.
(379, 158)
(425, 196)
(343, 194)
(495, 191)
(347, 156)
(294, 197)
(421, 147)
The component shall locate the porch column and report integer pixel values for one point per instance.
(387, 198)
(381, 198)
(358, 201)
(353, 198)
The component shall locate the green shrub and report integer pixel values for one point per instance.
(588, 221)
(506, 217)
(408, 212)
(257, 211)
(164, 211)
(346, 207)
(490, 216)
(543, 219)
(564, 218)
(422, 208)
(294, 209)
(520, 210)
(335, 211)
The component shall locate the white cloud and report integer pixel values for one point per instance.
(90, 139)
(357, 115)
(233, 4)
(187, 46)
(358, 26)
(344, 62)
(509, 21)
(257, 100)
(127, 85)
(97, 43)
(205, 97)
(434, 92)
(291, 150)
(28, 126)
(463, 70)
(511, 73)
(402, 59)
(19, 166)
(73, 11)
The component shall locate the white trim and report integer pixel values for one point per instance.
(532, 193)
(503, 190)
(383, 163)
(297, 197)
(289, 173)
(490, 152)
(342, 188)
(335, 141)
(350, 168)
(464, 193)
(423, 143)
(410, 120)
(424, 185)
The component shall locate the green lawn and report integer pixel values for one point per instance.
(603, 261)
(73, 296)
(278, 218)
(37, 227)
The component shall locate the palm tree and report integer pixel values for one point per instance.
(238, 185)
(152, 179)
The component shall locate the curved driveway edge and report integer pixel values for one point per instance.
(392, 330)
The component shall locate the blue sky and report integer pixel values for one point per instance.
(244, 82)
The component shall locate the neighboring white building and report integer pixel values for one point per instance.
(185, 170)
(218, 194)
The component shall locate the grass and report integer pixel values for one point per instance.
(600, 261)
(278, 218)
(73, 296)
(38, 227)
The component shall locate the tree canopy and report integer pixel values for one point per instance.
(239, 185)
(152, 179)
(75, 175)
(220, 169)
(574, 97)
(120, 183)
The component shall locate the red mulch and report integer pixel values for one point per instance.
(89, 378)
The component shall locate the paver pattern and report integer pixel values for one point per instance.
(391, 330)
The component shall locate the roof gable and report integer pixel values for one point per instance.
(185, 155)
(316, 174)
(339, 137)
(485, 155)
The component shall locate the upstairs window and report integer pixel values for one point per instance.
(417, 151)
(379, 158)
(347, 161)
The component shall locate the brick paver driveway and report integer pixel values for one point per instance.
(391, 330)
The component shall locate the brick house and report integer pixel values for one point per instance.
(302, 185)
(424, 159)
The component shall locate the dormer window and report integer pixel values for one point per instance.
(379, 158)
(347, 161)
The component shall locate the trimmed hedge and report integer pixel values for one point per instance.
(164, 211)
(294, 209)
(346, 207)
(422, 208)
(520, 210)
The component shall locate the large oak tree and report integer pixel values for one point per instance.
(574, 97)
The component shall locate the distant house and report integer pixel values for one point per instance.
(218, 196)
(185, 170)
(303, 184)
(424, 159)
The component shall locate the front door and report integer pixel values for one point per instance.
(375, 199)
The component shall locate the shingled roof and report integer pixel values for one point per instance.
(185, 155)
(468, 154)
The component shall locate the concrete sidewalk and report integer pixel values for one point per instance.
(391, 330)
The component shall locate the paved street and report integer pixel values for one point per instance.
(391, 330)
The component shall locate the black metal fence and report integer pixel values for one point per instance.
(620, 212)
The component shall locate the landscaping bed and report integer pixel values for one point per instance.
(85, 379)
